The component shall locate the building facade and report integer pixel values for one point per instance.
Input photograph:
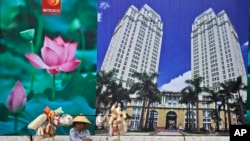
(135, 45)
(173, 115)
(215, 50)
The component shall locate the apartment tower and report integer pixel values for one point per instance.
(135, 45)
(215, 49)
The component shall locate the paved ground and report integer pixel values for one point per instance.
(126, 138)
(155, 133)
(168, 132)
(105, 132)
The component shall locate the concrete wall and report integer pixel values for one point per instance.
(126, 138)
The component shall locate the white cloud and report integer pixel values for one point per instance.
(245, 44)
(177, 84)
(99, 17)
(104, 5)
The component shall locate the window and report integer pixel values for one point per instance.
(136, 111)
(205, 105)
(174, 104)
(138, 103)
(169, 104)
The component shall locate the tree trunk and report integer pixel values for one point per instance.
(225, 117)
(151, 121)
(142, 112)
(193, 125)
(146, 125)
(197, 115)
(242, 115)
(229, 113)
(217, 117)
(186, 119)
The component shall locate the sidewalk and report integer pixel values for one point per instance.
(153, 133)
(106, 133)
(126, 138)
(169, 133)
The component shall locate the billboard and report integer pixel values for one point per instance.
(179, 40)
(48, 62)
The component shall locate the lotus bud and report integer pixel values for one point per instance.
(17, 98)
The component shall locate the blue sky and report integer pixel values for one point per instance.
(177, 17)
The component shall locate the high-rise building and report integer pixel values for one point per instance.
(215, 49)
(135, 45)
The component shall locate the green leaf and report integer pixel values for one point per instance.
(9, 9)
(80, 86)
(30, 95)
(14, 66)
(87, 13)
(88, 60)
(4, 112)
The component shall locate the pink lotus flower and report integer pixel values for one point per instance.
(57, 56)
(17, 98)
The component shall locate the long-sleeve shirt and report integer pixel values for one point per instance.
(78, 136)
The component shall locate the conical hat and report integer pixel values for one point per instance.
(81, 118)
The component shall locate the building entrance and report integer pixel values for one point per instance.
(171, 118)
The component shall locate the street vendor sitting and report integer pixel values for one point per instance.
(79, 131)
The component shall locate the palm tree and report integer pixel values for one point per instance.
(226, 92)
(117, 93)
(142, 87)
(188, 98)
(223, 105)
(237, 110)
(214, 97)
(237, 86)
(154, 95)
(197, 89)
(213, 114)
(104, 79)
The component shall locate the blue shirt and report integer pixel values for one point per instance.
(78, 136)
